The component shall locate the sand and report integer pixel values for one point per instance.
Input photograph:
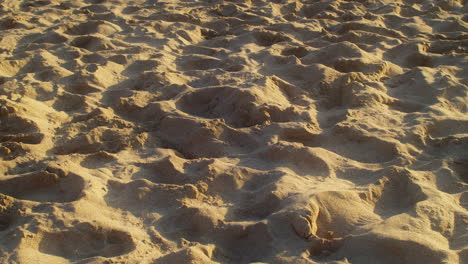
(248, 131)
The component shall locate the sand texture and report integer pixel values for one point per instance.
(243, 131)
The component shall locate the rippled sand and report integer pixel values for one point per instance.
(244, 131)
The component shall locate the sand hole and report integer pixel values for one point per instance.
(5, 222)
(97, 160)
(43, 187)
(11, 150)
(398, 194)
(86, 241)
(91, 27)
(69, 102)
(267, 38)
(18, 129)
(299, 52)
(92, 43)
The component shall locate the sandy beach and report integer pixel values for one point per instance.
(243, 131)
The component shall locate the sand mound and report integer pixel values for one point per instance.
(243, 131)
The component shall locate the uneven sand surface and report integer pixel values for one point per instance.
(248, 131)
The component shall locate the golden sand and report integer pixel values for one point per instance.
(248, 131)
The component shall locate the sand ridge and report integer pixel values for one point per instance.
(243, 131)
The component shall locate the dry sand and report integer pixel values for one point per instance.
(246, 131)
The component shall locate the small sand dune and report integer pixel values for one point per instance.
(242, 131)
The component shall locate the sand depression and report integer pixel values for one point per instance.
(248, 131)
